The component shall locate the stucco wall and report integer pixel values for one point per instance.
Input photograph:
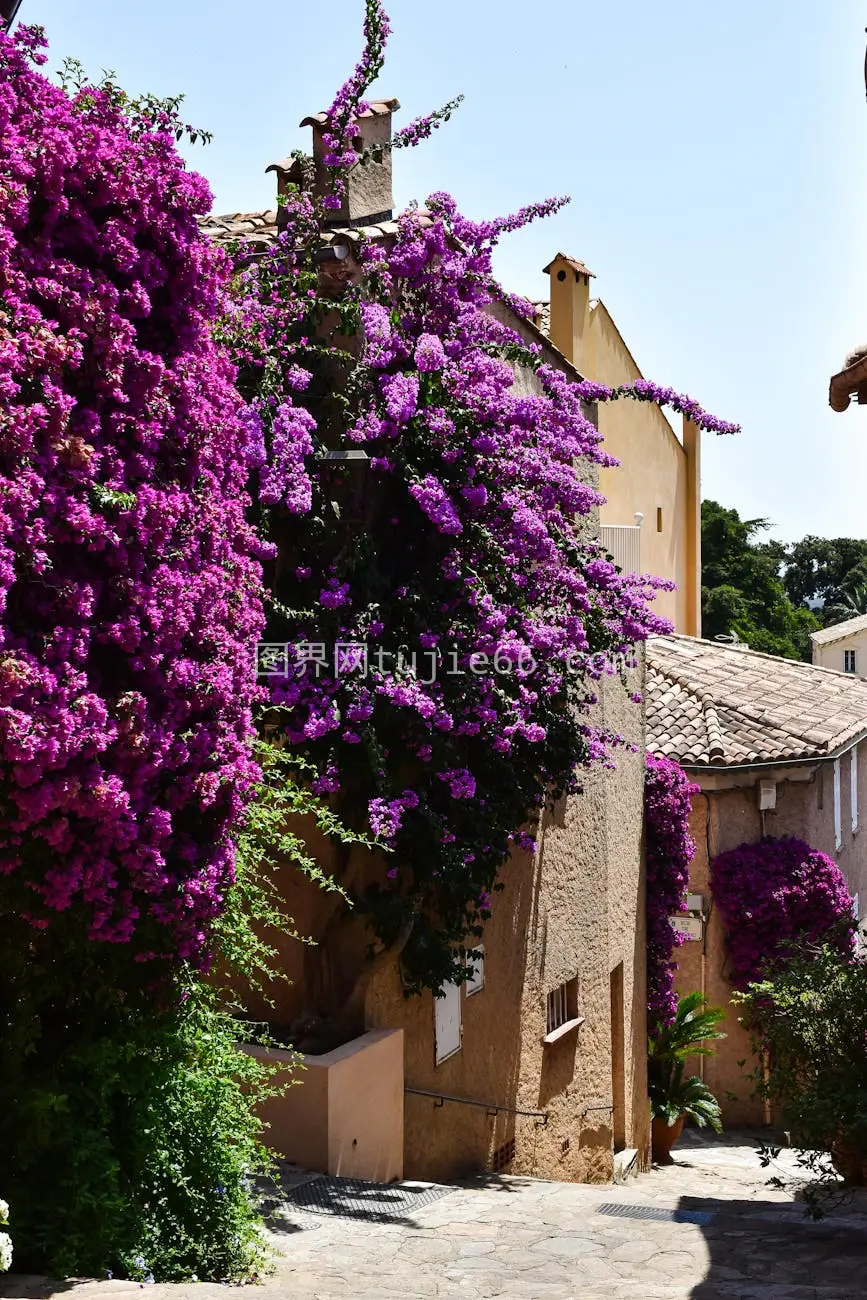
(653, 473)
(659, 474)
(576, 909)
(724, 818)
(831, 655)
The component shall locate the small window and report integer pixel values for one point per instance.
(838, 819)
(563, 1010)
(475, 971)
(849, 662)
(659, 519)
(447, 1023)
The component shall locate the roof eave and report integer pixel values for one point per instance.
(828, 756)
(852, 380)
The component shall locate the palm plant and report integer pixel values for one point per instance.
(671, 1095)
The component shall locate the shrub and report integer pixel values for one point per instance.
(808, 1016)
(692, 1027)
(772, 892)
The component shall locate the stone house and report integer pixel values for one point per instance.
(842, 646)
(538, 1064)
(777, 748)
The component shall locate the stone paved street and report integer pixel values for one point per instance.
(520, 1239)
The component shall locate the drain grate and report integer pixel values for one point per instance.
(655, 1212)
(350, 1198)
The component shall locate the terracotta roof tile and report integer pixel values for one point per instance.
(375, 108)
(576, 265)
(259, 229)
(716, 705)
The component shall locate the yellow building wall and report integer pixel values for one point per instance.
(659, 473)
(652, 476)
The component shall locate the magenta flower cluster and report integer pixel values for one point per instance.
(670, 849)
(463, 548)
(130, 588)
(775, 891)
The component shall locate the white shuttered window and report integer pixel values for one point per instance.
(447, 1022)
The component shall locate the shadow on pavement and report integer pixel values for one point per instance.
(756, 1245)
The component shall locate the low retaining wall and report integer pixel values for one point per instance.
(343, 1112)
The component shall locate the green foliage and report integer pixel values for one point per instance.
(809, 1019)
(127, 1114)
(269, 843)
(686, 1096)
(671, 1094)
(126, 1133)
(144, 111)
(743, 592)
(825, 569)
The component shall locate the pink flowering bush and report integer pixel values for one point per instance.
(458, 560)
(130, 598)
(773, 893)
(669, 850)
(130, 588)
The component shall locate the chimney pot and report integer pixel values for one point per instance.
(368, 197)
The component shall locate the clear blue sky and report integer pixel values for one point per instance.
(716, 155)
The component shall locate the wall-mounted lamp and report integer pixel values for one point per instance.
(332, 253)
(639, 518)
(352, 453)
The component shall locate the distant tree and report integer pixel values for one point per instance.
(743, 593)
(826, 569)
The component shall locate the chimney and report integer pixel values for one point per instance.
(368, 198)
(570, 310)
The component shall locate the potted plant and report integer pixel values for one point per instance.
(673, 1098)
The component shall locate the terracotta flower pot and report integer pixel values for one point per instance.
(850, 1164)
(663, 1137)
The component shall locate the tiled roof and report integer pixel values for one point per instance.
(576, 265)
(839, 630)
(255, 228)
(260, 228)
(375, 108)
(716, 705)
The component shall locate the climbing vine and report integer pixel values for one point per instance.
(669, 850)
(437, 635)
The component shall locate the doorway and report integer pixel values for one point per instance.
(618, 1059)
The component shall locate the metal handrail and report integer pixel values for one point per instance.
(490, 1107)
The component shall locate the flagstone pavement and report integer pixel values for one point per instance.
(522, 1239)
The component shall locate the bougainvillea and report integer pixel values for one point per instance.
(435, 653)
(130, 587)
(773, 892)
(669, 849)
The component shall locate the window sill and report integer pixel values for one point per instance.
(568, 1027)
